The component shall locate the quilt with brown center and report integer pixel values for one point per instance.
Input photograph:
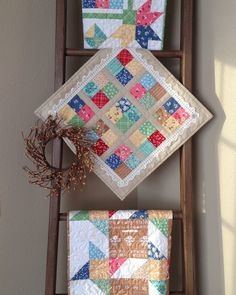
(123, 252)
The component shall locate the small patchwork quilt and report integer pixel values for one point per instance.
(138, 114)
(119, 252)
(124, 23)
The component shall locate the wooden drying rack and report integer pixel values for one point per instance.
(184, 56)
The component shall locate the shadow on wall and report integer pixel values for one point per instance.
(215, 147)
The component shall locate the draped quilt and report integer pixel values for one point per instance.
(123, 252)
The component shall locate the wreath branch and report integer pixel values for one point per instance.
(53, 178)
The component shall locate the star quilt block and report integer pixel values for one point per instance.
(138, 114)
(119, 252)
(124, 23)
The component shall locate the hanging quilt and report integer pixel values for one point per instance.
(137, 111)
(124, 23)
(119, 252)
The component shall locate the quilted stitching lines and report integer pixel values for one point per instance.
(130, 256)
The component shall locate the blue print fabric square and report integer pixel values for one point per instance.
(148, 81)
(124, 104)
(89, 3)
(144, 34)
(171, 106)
(76, 103)
(132, 162)
(113, 161)
(116, 4)
(124, 76)
(92, 135)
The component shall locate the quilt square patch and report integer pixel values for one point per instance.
(123, 152)
(124, 76)
(133, 114)
(100, 147)
(123, 170)
(76, 103)
(109, 137)
(100, 99)
(148, 101)
(91, 89)
(110, 90)
(147, 148)
(86, 113)
(67, 113)
(137, 113)
(119, 252)
(124, 114)
(138, 91)
(124, 23)
(75, 121)
(147, 81)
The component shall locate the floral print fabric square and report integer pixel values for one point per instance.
(119, 252)
(123, 23)
(136, 111)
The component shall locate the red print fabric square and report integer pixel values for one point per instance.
(100, 147)
(102, 3)
(124, 57)
(100, 99)
(156, 138)
(86, 113)
(138, 91)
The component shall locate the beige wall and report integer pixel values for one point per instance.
(26, 80)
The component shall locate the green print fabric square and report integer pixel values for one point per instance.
(110, 90)
(147, 128)
(124, 124)
(148, 101)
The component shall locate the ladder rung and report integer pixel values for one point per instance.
(177, 215)
(156, 53)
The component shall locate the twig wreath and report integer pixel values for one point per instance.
(53, 178)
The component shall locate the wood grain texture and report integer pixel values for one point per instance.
(186, 170)
(54, 207)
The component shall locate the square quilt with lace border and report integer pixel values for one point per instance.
(137, 111)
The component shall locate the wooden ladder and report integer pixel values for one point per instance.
(185, 215)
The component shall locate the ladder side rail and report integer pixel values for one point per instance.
(186, 169)
(54, 206)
